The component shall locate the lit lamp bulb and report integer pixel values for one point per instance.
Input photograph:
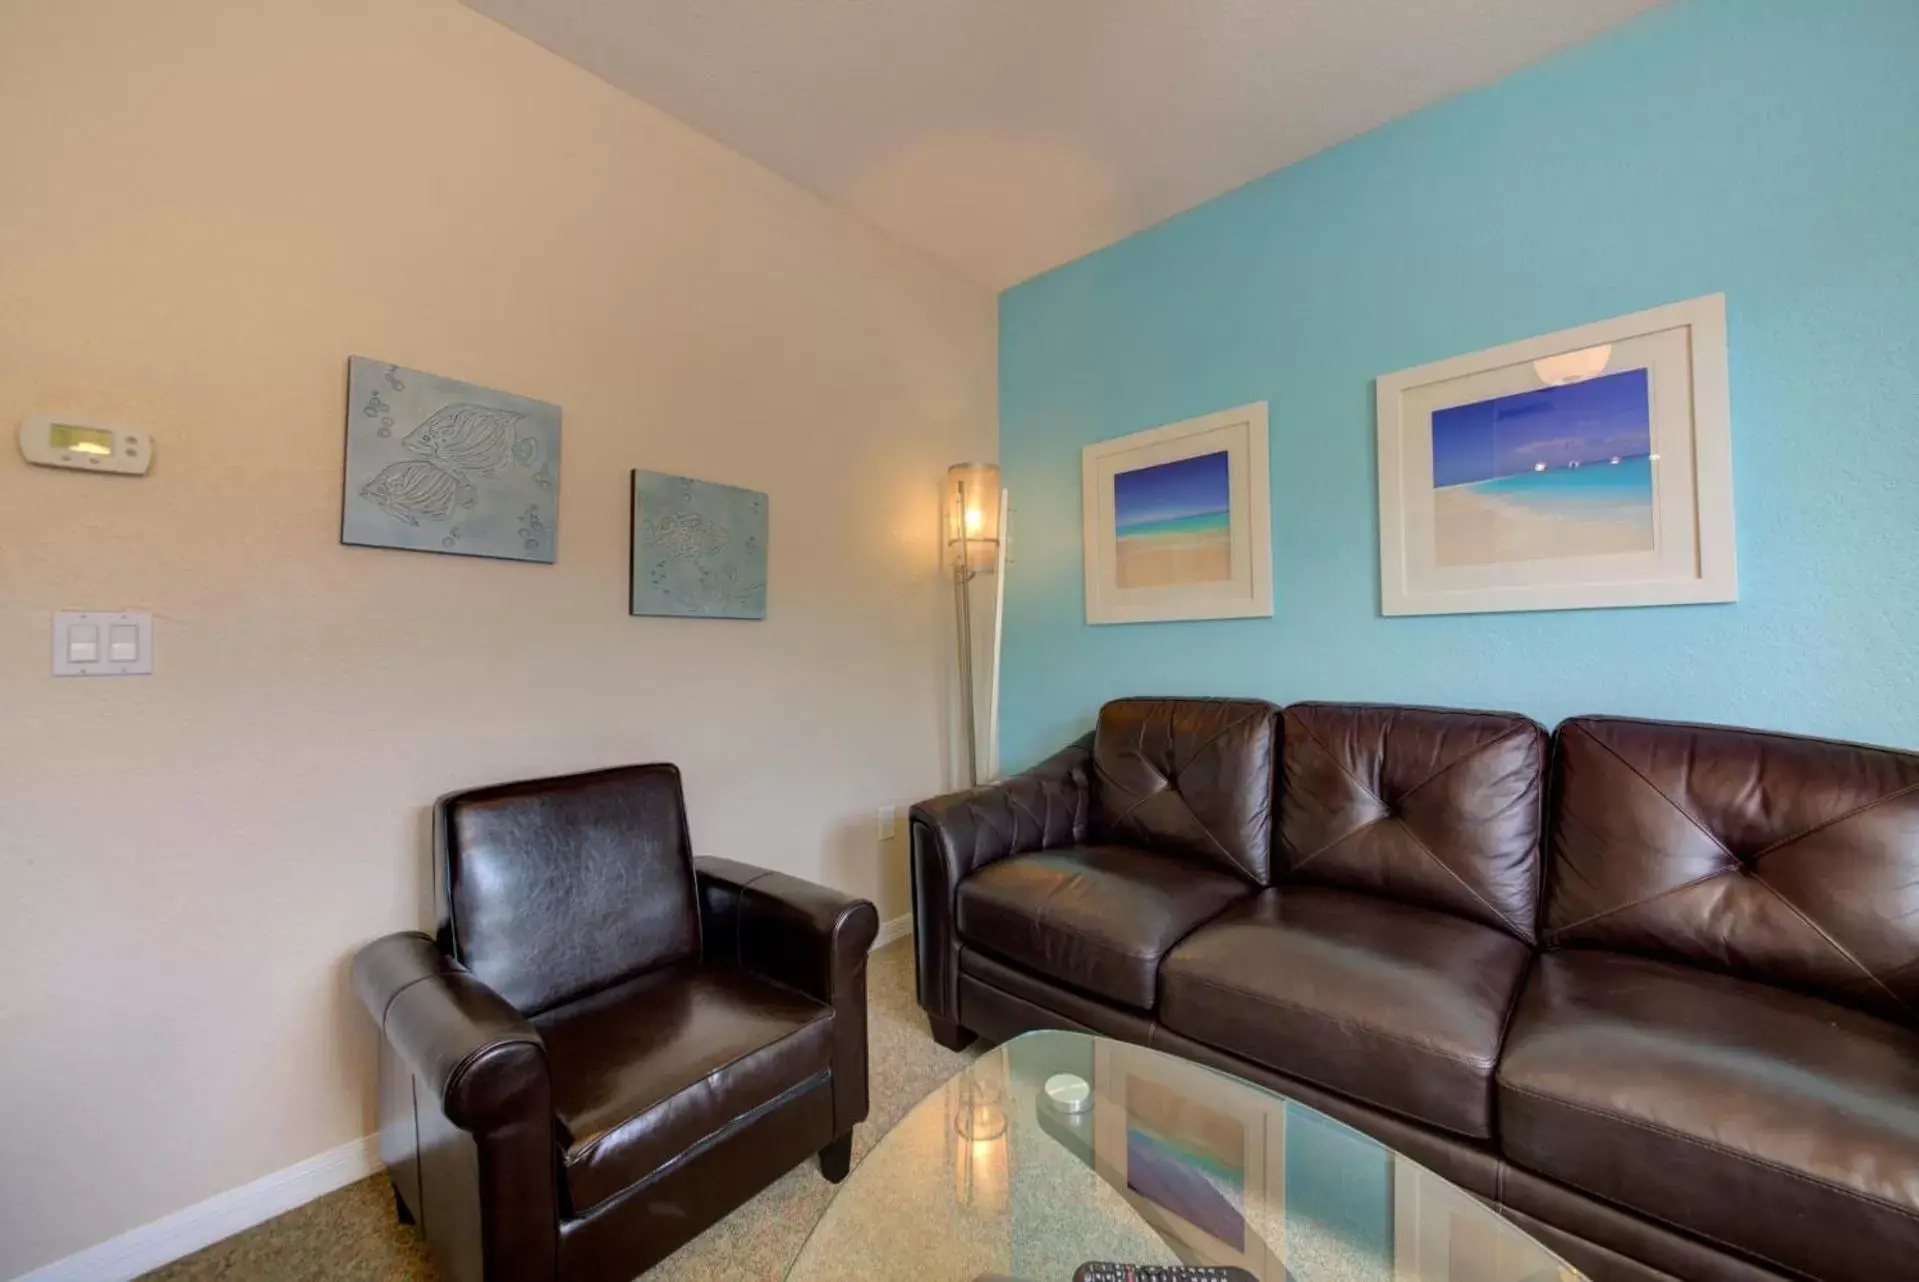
(972, 516)
(970, 520)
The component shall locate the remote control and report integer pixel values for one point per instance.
(1107, 1271)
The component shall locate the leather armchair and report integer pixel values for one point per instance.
(610, 1045)
(956, 835)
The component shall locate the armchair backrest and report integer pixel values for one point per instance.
(553, 888)
(1776, 858)
(1194, 776)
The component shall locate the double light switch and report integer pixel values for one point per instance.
(102, 644)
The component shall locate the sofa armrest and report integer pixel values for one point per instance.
(481, 1059)
(956, 835)
(805, 936)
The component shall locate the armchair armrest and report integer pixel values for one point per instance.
(484, 1072)
(806, 937)
(796, 932)
(956, 835)
(481, 1059)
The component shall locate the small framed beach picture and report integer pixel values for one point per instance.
(1587, 468)
(1177, 521)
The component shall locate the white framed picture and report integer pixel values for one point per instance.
(1582, 469)
(1177, 521)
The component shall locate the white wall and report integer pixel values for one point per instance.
(205, 207)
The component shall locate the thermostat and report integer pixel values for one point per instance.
(53, 440)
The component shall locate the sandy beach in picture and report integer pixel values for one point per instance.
(1173, 523)
(1557, 472)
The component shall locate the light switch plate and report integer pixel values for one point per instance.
(107, 625)
(888, 821)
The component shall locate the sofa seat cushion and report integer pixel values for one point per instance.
(643, 1071)
(1396, 1006)
(1771, 1122)
(1099, 918)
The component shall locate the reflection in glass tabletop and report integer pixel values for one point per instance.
(1171, 1163)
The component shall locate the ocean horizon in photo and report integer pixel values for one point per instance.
(1592, 509)
(1172, 523)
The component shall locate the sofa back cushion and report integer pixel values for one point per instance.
(1424, 805)
(1188, 775)
(1787, 860)
(553, 888)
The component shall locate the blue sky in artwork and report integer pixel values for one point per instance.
(1169, 491)
(1592, 421)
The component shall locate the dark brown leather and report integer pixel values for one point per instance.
(479, 1057)
(1068, 1008)
(480, 1108)
(644, 1070)
(1427, 806)
(1096, 917)
(1786, 860)
(556, 887)
(1572, 1224)
(952, 836)
(1189, 776)
(1471, 1165)
(800, 934)
(635, 1230)
(1722, 1079)
(1779, 1125)
(585, 1136)
(1400, 1007)
(1000, 1001)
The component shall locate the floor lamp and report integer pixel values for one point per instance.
(975, 518)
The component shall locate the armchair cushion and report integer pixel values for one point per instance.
(648, 1071)
(1096, 917)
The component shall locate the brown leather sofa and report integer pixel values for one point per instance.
(1648, 988)
(611, 1044)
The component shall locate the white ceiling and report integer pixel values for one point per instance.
(1009, 136)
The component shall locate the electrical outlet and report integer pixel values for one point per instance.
(888, 818)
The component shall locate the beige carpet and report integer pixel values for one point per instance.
(351, 1235)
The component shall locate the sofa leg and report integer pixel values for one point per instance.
(948, 1033)
(400, 1211)
(836, 1159)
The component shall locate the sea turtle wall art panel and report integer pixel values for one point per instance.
(437, 465)
(699, 549)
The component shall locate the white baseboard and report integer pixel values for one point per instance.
(899, 928)
(201, 1225)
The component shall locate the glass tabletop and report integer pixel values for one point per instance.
(1169, 1162)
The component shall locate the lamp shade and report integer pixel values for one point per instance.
(972, 515)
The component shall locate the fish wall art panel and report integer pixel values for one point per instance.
(699, 548)
(437, 465)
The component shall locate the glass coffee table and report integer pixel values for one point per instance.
(1166, 1162)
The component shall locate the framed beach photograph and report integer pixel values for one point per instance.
(1177, 521)
(1582, 469)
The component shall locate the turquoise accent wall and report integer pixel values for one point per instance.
(1768, 149)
